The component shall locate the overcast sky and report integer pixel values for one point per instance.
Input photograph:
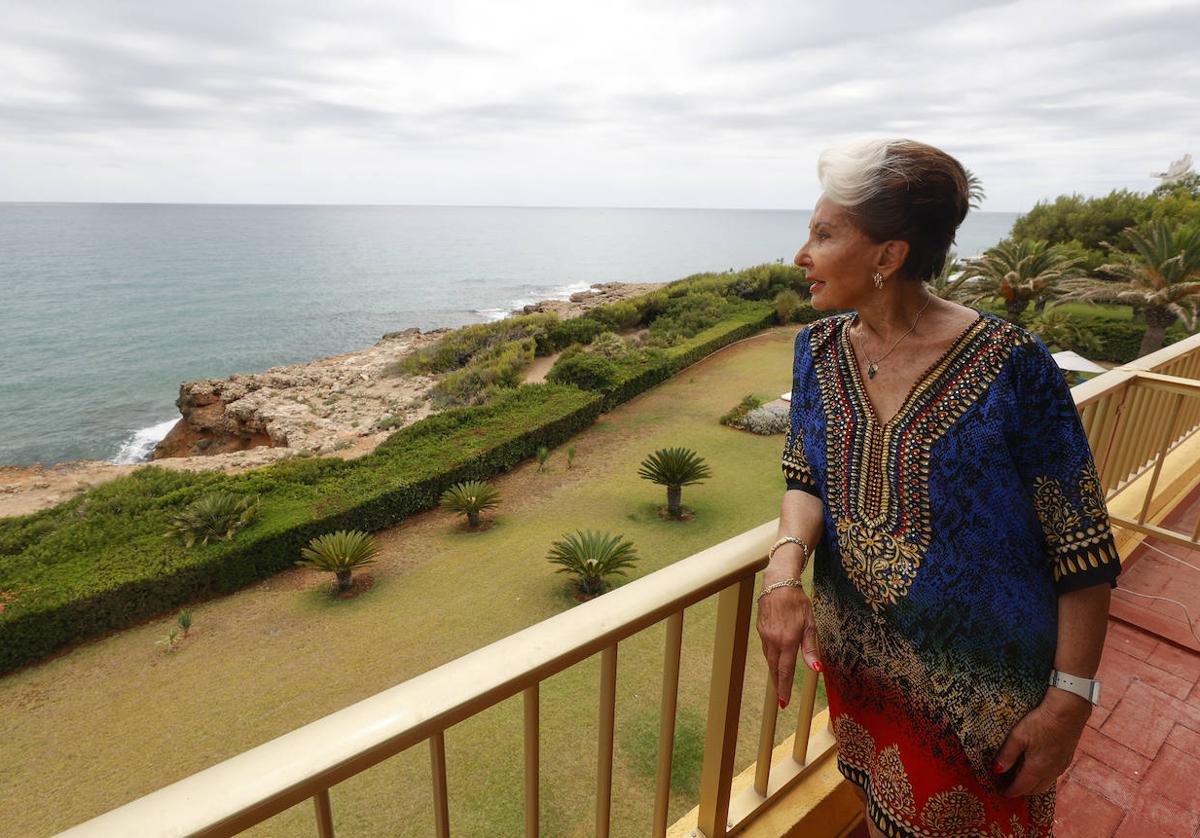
(670, 103)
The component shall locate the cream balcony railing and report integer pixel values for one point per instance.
(1135, 416)
(249, 788)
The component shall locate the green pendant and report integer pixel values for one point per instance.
(872, 369)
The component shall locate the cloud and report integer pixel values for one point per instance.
(673, 102)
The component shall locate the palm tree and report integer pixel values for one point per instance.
(1020, 272)
(592, 557)
(339, 553)
(949, 284)
(674, 468)
(1158, 271)
(1057, 328)
(470, 498)
(975, 193)
(216, 515)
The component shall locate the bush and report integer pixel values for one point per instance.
(771, 419)
(609, 345)
(470, 498)
(458, 347)
(585, 371)
(787, 306)
(500, 366)
(566, 332)
(1086, 222)
(617, 317)
(734, 417)
(592, 557)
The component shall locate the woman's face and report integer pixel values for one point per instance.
(838, 258)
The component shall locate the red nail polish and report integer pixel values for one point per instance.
(817, 666)
(782, 703)
(997, 768)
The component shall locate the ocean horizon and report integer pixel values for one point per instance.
(105, 309)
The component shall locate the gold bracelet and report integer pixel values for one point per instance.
(782, 583)
(791, 539)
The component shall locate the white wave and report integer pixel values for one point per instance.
(140, 445)
(562, 292)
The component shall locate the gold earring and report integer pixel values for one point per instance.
(878, 277)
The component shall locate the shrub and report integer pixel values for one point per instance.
(185, 621)
(609, 345)
(734, 417)
(592, 557)
(584, 370)
(458, 347)
(339, 553)
(470, 498)
(500, 366)
(543, 454)
(617, 317)
(674, 468)
(771, 419)
(787, 305)
(566, 332)
(218, 515)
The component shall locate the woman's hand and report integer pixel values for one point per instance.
(1047, 737)
(785, 625)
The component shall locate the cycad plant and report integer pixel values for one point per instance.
(592, 557)
(215, 516)
(674, 468)
(1158, 270)
(339, 553)
(470, 498)
(949, 283)
(1057, 328)
(1020, 272)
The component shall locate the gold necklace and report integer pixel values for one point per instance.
(873, 366)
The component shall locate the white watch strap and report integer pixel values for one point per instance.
(1082, 687)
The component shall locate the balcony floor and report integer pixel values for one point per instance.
(1137, 770)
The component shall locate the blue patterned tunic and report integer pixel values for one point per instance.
(950, 532)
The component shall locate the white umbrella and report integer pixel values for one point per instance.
(1073, 361)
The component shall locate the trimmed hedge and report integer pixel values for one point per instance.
(101, 562)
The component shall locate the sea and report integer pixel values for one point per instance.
(105, 309)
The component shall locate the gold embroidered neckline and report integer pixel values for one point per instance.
(922, 382)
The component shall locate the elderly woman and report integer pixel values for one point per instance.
(939, 475)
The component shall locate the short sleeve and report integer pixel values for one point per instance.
(796, 470)
(1058, 471)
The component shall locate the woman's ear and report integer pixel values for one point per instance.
(892, 256)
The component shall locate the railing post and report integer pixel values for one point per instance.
(666, 723)
(324, 814)
(532, 768)
(724, 705)
(608, 708)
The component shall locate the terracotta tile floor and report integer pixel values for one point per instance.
(1136, 773)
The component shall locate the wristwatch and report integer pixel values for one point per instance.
(1082, 687)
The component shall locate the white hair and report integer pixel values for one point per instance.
(853, 172)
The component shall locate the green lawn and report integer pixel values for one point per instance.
(117, 718)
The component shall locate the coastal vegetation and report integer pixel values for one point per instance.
(217, 515)
(100, 562)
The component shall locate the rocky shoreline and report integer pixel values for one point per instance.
(343, 405)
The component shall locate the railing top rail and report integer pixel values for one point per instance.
(1095, 388)
(260, 782)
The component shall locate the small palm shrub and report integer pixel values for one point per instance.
(543, 454)
(470, 498)
(185, 621)
(339, 553)
(570, 456)
(767, 420)
(592, 557)
(674, 468)
(216, 516)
